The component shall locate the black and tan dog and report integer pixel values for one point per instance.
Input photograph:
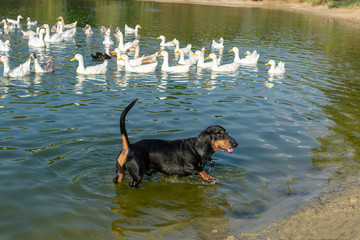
(181, 157)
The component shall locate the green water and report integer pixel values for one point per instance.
(59, 133)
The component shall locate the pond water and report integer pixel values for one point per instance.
(59, 132)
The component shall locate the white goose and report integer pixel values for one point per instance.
(279, 69)
(186, 49)
(231, 67)
(29, 33)
(7, 26)
(191, 60)
(200, 62)
(247, 60)
(20, 71)
(15, 22)
(55, 38)
(5, 46)
(123, 47)
(175, 69)
(129, 30)
(92, 70)
(87, 29)
(143, 68)
(70, 25)
(163, 42)
(47, 66)
(121, 61)
(107, 38)
(145, 59)
(65, 34)
(30, 23)
(37, 42)
(218, 45)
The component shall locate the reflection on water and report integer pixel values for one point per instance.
(59, 132)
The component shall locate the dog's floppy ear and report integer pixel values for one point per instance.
(203, 143)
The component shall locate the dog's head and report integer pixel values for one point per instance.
(218, 138)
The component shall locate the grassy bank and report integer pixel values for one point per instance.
(335, 4)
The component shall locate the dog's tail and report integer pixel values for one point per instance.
(124, 136)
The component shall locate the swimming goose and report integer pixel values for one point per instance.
(15, 22)
(143, 68)
(20, 71)
(7, 26)
(186, 49)
(29, 33)
(252, 60)
(97, 69)
(129, 30)
(175, 69)
(163, 42)
(123, 47)
(30, 23)
(218, 45)
(37, 42)
(47, 66)
(107, 38)
(87, 29)
(65, 34)
(5, 46)
(279, 69)
(121, 62)
(55, 38)
(99, 56)
(182, 61)
(145, 59)
(200, 61)
(70, 25)
(103, 29)
(221, 68)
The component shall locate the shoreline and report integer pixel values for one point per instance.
(346, 14)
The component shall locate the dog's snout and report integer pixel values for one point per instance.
(234, 143)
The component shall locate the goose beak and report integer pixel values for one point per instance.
(208, 57)
(73, 59)
(267, 64)
(231, 50)
(120, 59)
(160, 55)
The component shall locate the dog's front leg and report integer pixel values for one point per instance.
(206, 177)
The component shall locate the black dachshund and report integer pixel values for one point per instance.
(181, 157)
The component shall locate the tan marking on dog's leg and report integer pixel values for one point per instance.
(124, 153)
(120, 177)
(206, 177)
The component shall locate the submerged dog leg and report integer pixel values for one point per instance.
(206, 177)
(119, 177)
